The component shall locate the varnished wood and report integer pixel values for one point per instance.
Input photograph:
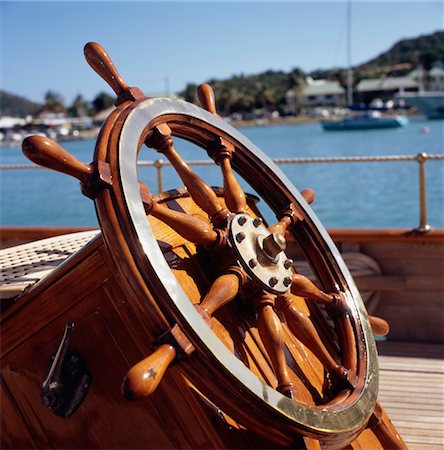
(143, 378)
(348, 345)
(380, 327)
(289, 216)
(386, 436)
(309, 195)
(190, 227)
(270, 330)
(303, 287)
(234, 195)
(100, 61)
(47, 153)
(201, 193)
(385, 235)
(281, 226)
(222, 153)
(304, 330)
(221, 292)
(205, 94)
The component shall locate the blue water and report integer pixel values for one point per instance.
(351, 195)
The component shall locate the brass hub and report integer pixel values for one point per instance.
(261, 253)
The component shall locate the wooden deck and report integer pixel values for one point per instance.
(412, 391)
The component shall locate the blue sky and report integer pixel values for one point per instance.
(151, 42)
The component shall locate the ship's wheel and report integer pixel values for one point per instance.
(317, 370)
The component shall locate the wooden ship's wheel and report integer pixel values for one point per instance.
(223, 300)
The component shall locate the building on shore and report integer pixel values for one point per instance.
(315, 93)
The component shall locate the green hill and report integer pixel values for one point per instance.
(267, 90)
(15, 106)
(421, 50)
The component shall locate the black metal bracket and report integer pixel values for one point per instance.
(67, 379)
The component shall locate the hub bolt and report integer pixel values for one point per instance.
(252, 263)
(240, 237)
(288, 263)
(257, 222)
(273, 281)
(241, 221)
(287, 281)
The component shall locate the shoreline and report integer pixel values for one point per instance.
(260, 122)
(283, 120)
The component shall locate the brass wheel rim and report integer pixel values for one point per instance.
(325, 421)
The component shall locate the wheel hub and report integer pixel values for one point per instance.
(261, 253)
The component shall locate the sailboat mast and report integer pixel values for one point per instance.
(349, 66)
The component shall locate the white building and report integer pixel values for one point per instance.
(322, 92)
(433, 80)
(384, 88)
(315, 93)
(435, 77)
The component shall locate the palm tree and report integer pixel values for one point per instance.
(54, 103)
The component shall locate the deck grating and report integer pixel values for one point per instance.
(412, 391)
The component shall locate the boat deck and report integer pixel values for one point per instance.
(412, 391)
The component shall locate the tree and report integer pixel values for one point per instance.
(54, 103)
(189, 93)
(79, 107)
(102, 101)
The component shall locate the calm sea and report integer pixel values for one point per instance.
(351, 195)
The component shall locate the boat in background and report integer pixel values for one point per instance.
(430, 103)
(369, 120)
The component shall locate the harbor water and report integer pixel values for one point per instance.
(348, 195)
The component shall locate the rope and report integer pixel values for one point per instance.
(333, 159)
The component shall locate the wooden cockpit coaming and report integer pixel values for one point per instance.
(87, 292)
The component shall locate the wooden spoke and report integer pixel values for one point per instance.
(303, 329)
(288, 218)
(143, 378)
(380, 327)
(290, 215)
(99, 60)
(270, 330)
(201, 193)
(386, 434)
(47, 153)
(347, 342)
(205, 94)
(303, 287)
(221, 292)
(190, 227)
(44, 151)
(308, 195)
(233, 193)
(222, 152)
(347, 339)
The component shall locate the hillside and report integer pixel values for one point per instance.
(421, 50)
(400, 58)
(15, 106)
(266, 90)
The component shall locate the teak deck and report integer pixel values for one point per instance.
(411, 391)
